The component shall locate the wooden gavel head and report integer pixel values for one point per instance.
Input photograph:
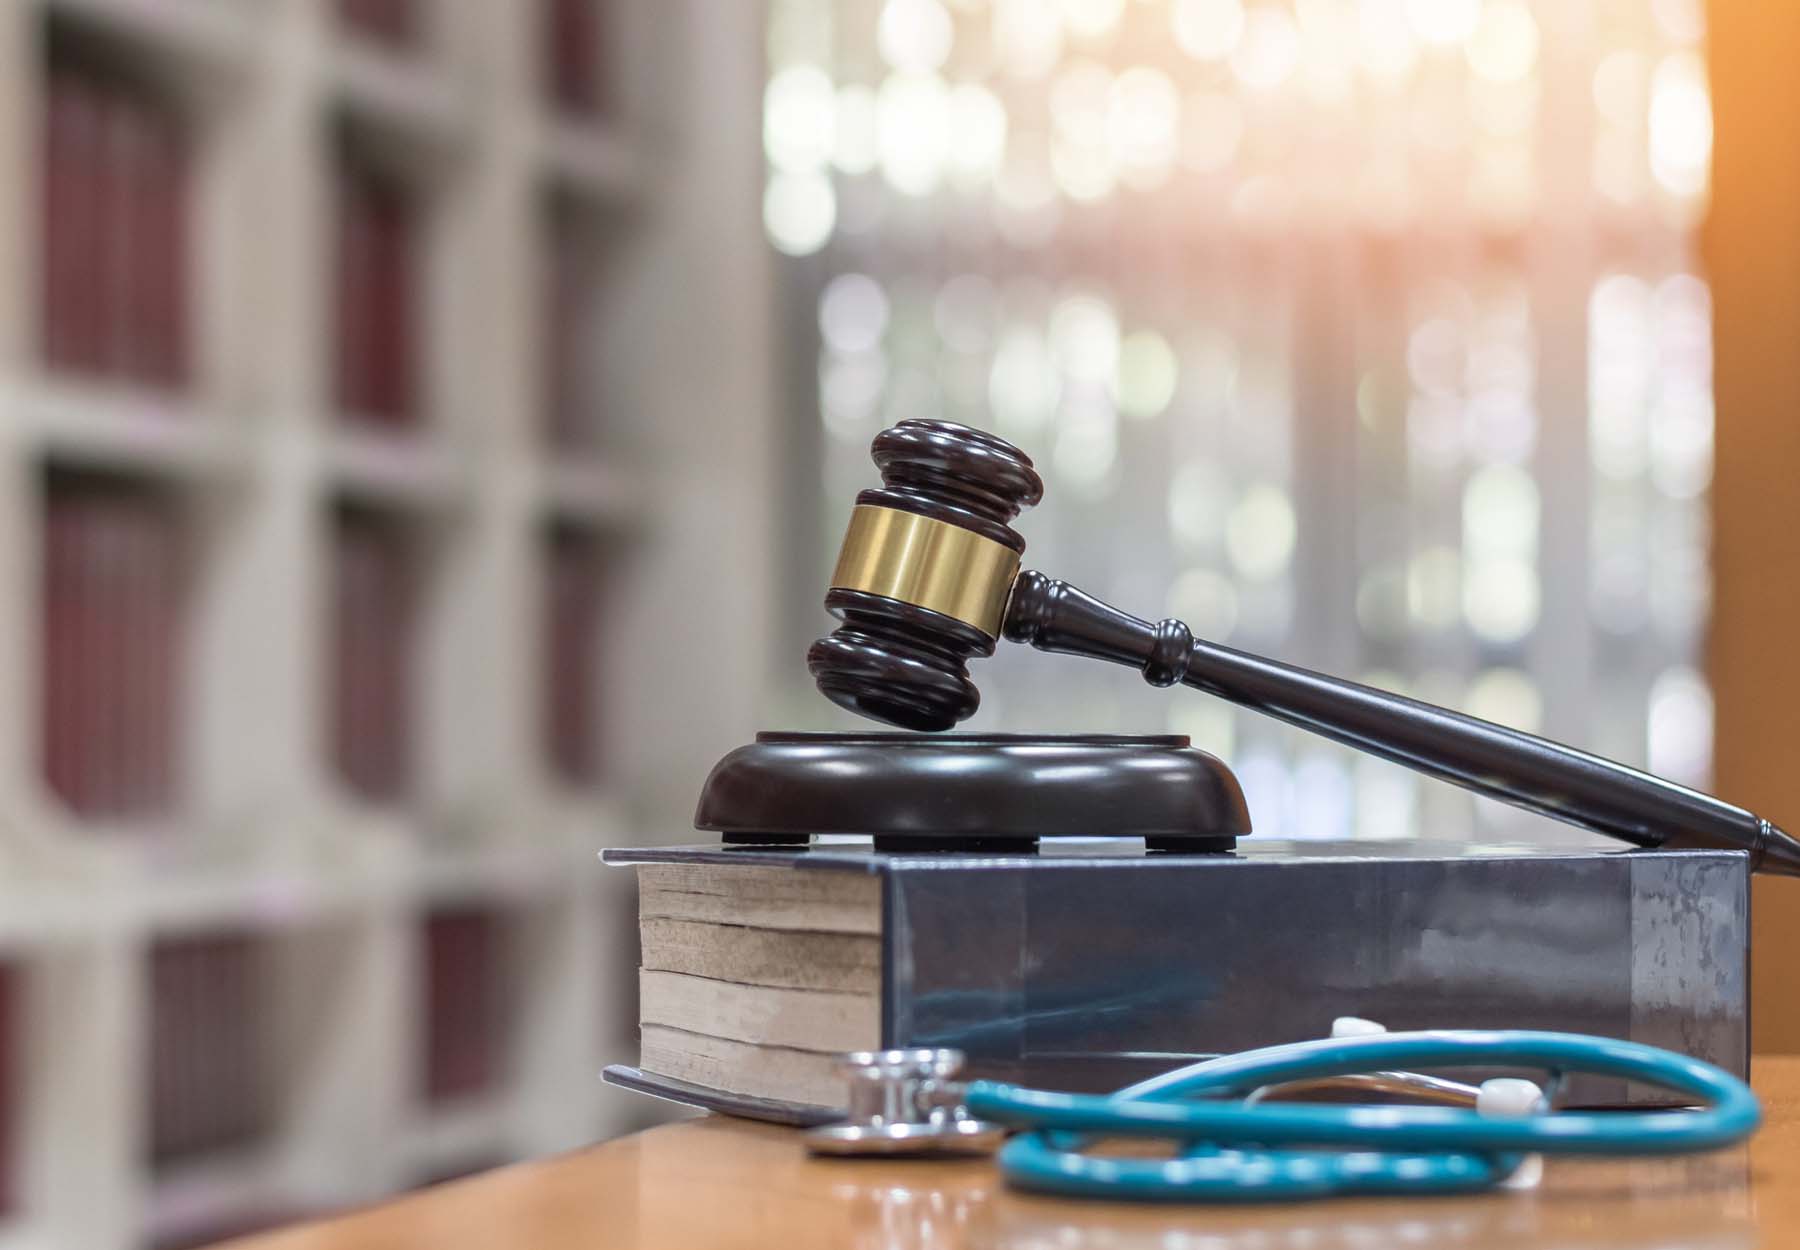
(921, 584)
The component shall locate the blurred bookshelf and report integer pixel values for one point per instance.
(331, 449)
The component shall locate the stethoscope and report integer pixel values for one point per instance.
(1236, 1143)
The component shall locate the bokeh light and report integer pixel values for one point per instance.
(1263, 278)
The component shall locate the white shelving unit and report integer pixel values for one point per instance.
(267, 841)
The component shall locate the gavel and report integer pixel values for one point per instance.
(929, 579)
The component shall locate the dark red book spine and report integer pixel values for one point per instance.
(391, 22)
(462, 1016)
(206, 1065)
(352, 337)
(126, 172)
(74, 206)
(565, 288)
(10, 1022)
(571, 671)
(373, 647)
(115, 230)
(377, 298)
(60, 608)
(112, 615)
(162, 267)
(572, 54)
(392, 297)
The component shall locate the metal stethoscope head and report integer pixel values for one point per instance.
(1237, 1141)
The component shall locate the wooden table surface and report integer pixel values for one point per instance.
(719, 1182)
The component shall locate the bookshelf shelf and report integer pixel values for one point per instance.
(593, 493)
(122, 429)
(409, 106)
(396, 470)
(214, 35)
(196, 389)
(594, 162)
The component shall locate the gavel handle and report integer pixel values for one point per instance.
(1505, 764)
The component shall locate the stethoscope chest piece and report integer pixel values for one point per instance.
(904, 1102)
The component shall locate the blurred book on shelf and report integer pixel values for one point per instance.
(570, 656)
(374, 599)
(112, 595)
(10, 1067)
(207, 1087)
(115, 217)
(463, 1007)
(572, 55)
(392, 23)
(377, 295)
(568, 276)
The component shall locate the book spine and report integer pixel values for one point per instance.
(394, 307)
(137, 735)
(158, 600)
(346, 655)
(461, 1016)
(392, 22)
(59, 610)
(352, 336)
(75, 211)
(161, 317)
(124, 247)
(571, 672)
(108, 626)
(10, 1103)
(61, 206)
(564, 366)
(572, 55)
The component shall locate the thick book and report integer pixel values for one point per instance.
(1088, 966)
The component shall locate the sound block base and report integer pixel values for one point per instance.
(994, 794)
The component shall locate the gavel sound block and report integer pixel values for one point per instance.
(973, 792)
(929, 579)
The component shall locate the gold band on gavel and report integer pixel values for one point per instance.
(929, 564)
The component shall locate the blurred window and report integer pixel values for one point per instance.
(1367, 335)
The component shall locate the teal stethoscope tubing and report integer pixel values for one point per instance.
(1232, 1149)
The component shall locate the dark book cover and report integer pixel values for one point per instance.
(376, 297)
(206, 1073)
(75, 207)
(392, 23)
(159, 316)
(112, 608)
(462, 1008)
(572, 47)
(1089, 966)
(570, 658)
(372, 717)
(115, 230)
(569, 419)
